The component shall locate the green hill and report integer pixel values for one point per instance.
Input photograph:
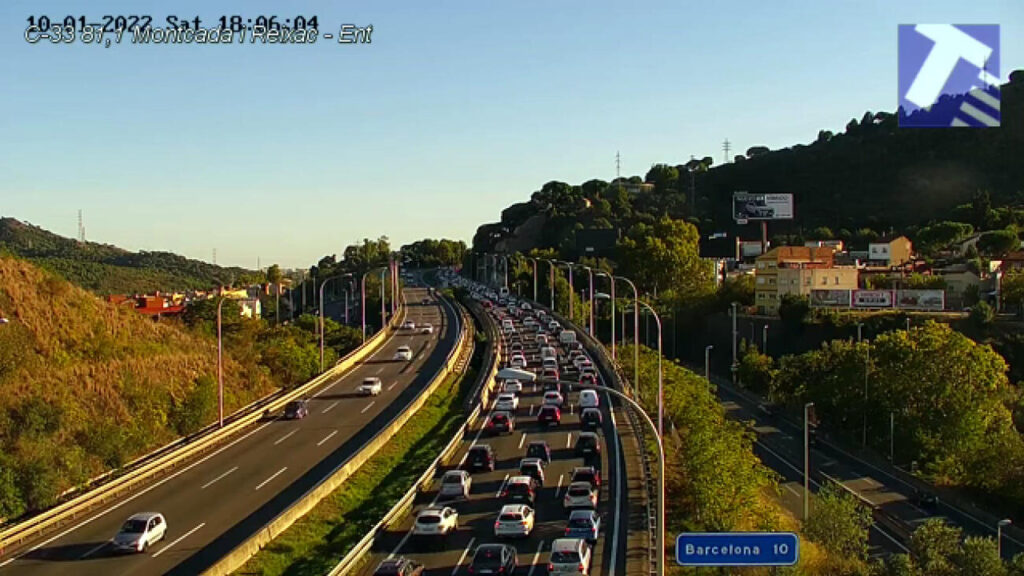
(86, 385)
(107, 269)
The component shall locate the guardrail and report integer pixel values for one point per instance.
(356, 555)
(241, 553)
(72, 509)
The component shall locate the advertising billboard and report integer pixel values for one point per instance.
(830, 298)
(931, 300)
(872, 298)
(746, 206)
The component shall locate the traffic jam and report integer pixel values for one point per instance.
(526, 494)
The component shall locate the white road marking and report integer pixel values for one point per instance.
(536, 556)
(328, 409)
(393, 384)
(500, 488)
(285, 437)
(791, 489)
(267, 481)
(326, 438)
(368, 406)
(558, 488)
(210, 483)
(379, 370)
(463, 556)
(531, 409)
(180, 538)
(322, 390)
(568, 440)
(521, 440)
(82, 557)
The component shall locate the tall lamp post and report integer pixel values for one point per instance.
(362, 295)
(611, 280)
(661, 389)
(764, 339)
(551, 282)
(590, 273)
(999, 535)
(534, 261)
(569, 266)
(707, 362)
(636, 330)
(807, 458)
(220, 367)
(322, 284)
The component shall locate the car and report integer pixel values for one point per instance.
(549, 374)
(580, 495)
(588, 370)
(512, 386)
(403, 353)
(515, 348)
(520, 489)
(398, 566)
(534, 468)
(555, 386)
(455, 484)
(588, 379)
(501, 422)
(591, 419)
(588, 444)
(539, 449)
(540, 339)
(296, 410)
(494, 559)
(507, 402)
(589, 399)
(569, 556)
(517, 361)
(436, 521)
(526, 306)
(371, 386)
(139, 532)
(553, 398)
(925, 500)
(549, 363)
(480, 457)
(427, 329)
(549, 414)
(514, 520)
(583, 524)
(509, 329)
(408, 325)
(580, 361)
(586, 474)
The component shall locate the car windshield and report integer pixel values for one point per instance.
(587, 441)
(453, 479)
(429, 519)
(293, 407)
(559, 557)
(134, 527)
(579, 523)
(579, 491)
(487, 557)
(369, 381)
(518, 488)
(511, 517)
(478, 453)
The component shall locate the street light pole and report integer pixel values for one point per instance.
(867, 367)
(534, 262)
(322, 284)
(551, 283)
(636, 330)
(999, 535)
(611, 281)
(735, 336)
(590, 274)
(764, 339)
(362, 296)
(220, 367)
(807, 458)
(707, 362)
(661, 389)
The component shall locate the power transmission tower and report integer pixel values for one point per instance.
(726, 147)
(618, 165)
(81, 228)
(214, 256)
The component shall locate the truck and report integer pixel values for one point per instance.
(567, 337)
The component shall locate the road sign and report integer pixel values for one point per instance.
(737, 549)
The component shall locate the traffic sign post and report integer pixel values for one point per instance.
(737, 549)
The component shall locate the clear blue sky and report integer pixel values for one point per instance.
(456, 110)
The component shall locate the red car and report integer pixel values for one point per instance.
(549, 414)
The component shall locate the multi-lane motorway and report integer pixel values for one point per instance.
(478, 513)
(215, 503)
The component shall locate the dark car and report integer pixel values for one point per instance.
(925, 500)
(426, 301)
(556, 386)
(480, 457)
(591, 419)
(588, 444)
(296, 410)
(521, 489)
(494, 559)
(399, 566)
(586, 474)
(501, 422)
(549, 414)
(539, 449)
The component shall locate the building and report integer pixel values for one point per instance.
(836, 245)
(633, 187)
(890, 251)
(800, 279)
(768, 265)
(1013, 262)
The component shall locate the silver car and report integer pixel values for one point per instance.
(140, 532)
(514, 520)
(455, 484)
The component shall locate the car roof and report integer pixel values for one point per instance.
(481, 447)
(587, 469)
(530, 461)
(517, 508)
(566, 545)
(522, 480)
(538, 443)
(144, 515)
(586, 485)
(582, 514)
(491, 548)
(461, 473)
(588, 435)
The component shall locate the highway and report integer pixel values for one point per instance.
(477, 514)
(218, 501)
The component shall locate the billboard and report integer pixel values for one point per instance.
(872, 298)
(830, 298)
(746, 206)
(931, 300)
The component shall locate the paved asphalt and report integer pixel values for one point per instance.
(452, 555)
(217, 502)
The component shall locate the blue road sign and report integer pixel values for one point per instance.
(737, 549)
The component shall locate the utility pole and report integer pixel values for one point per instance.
(618, 165)
(726, 147)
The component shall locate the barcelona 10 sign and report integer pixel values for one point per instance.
(737, 549)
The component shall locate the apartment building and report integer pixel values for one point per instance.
(796, 270)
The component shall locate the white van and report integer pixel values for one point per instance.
(589, 399)
(549, 363)
(567, 337)
(548, 352)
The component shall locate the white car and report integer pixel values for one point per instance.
(140, 531)
(403, 353)
(580, 495)
(427, 329)
(514, 520)
(553, 398)
(509, 402)
(509, 329)
(455, 484)
(371, 386)
(408, 325)
(518, 361)
(513, 386)
(541, 340)
(589, 399)
(569, 556)
(580, 361)
(436, 521)
(526, 306)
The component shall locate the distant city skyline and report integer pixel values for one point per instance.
(289, 153)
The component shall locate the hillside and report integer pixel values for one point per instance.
(85, 385)
(873, 175)
(107, 269)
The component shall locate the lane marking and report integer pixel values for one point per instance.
(536, 556)
(558, 488)
(326, 438)
(368, 406)
(210, 483)
(463, 557)
(285, 437)
(791, 489)
(331, 385)
(180, 538)
(568, 440)
(531, 409)
(393, 384)
(503, 482)
(82, 557)
(521, 440)
(328, 409)
(379, 370)
(267, 481)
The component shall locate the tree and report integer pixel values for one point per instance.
(756, 370)
(933, 547)
(978, 557)
(755, 151)
(662, 176)
(982, 315)
(822, 233)
(197, 408)
(793, 310)
(998, 243)
(665, 256)
(839, 523)
(1012, 289)
(274, 274)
